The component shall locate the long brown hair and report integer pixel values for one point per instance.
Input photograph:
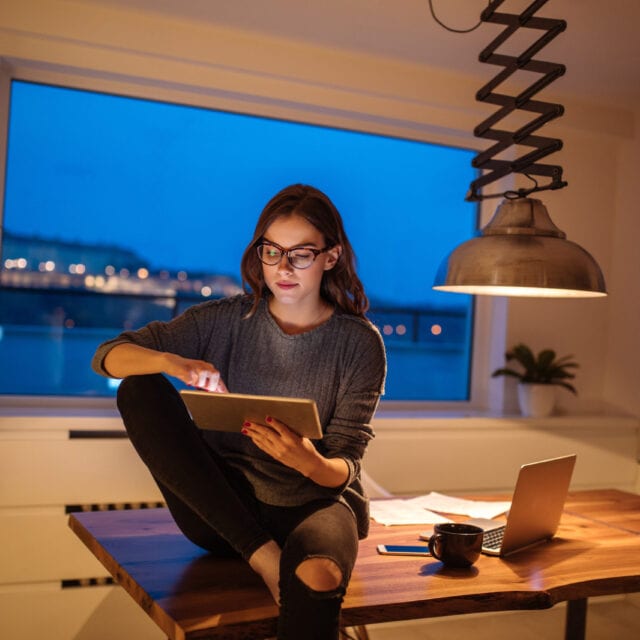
(340, 286)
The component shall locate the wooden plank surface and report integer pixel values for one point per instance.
(192, 595)
(608, 506)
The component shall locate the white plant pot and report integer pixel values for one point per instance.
(536, 400)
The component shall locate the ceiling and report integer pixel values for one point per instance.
(601, 47)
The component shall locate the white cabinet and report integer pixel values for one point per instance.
(51, 586)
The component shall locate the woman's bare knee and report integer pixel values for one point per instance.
(320, 574)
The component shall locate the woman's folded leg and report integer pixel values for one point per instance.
(200, 488)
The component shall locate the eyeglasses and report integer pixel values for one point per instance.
(302, 258)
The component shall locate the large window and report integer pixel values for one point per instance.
(118, 211)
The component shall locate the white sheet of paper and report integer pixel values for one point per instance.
(459, 506)
(398, 511)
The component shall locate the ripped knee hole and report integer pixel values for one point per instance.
(320, 574)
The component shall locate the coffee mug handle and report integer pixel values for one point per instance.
(434, 545)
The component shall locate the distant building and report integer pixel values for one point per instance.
(46, 263)
(37, 251)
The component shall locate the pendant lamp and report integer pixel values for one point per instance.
(520, 252)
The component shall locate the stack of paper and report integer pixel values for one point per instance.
(421, 510)
(398, 511)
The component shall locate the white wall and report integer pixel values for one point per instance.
(622, 373)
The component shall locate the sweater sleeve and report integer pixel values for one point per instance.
(190, 335)
(178, 336)
(361, 386)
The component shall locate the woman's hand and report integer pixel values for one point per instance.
(294, 451)
(195, 373)
(283, 444)
(127, 359)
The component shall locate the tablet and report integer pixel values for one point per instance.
(227, 411)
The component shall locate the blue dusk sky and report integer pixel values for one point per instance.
(183, 187)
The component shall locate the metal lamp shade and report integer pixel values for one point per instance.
(521, 253)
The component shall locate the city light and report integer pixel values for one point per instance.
(48, 266)
(399, 330)
(15, 263)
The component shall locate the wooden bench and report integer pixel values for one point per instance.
(191, 595)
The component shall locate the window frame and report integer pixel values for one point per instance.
(490, 314)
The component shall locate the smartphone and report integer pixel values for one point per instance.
(403, 550)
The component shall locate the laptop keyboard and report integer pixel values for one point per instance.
(493, 539)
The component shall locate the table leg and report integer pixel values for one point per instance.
(576, 621)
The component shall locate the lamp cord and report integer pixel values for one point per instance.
(443, 25)
(512, 194)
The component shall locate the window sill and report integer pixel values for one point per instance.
(476, 421)
(60, 414)
(580, 414)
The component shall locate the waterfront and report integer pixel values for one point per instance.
(56, 361)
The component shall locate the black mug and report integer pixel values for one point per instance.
(455, 544)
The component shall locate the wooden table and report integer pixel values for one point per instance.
(192, 595)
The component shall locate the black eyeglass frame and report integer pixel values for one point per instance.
(287, 252)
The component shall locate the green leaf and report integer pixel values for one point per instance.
(506, 372)
(566, 385)
(545, 358)
(522, 354)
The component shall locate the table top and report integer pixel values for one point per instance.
(190, 594)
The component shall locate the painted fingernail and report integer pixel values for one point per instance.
(244, 432)
(269, 419)
(246, 424)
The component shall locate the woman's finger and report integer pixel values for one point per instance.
(279, 427)
(208, 380)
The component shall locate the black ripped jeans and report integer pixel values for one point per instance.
(214, 506)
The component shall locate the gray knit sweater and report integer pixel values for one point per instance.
(340, 364)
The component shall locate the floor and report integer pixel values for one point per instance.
(614, 618)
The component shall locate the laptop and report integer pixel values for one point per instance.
(536, 507)
(227, 411)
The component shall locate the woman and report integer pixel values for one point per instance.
(293, 508)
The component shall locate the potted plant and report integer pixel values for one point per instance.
(538, 376)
